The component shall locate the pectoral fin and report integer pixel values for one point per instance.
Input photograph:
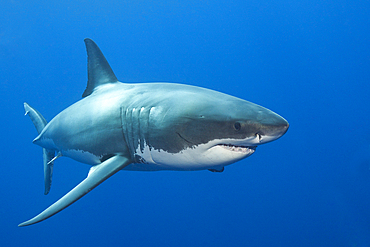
(217, 170)
(97, 175)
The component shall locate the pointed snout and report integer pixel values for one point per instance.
(272, 126)
(277, 129)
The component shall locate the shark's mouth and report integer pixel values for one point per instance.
(239, 149)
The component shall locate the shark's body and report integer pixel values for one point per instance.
(148, 127)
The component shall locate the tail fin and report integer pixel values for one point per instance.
(40, 122)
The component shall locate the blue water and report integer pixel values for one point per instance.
(308, 60)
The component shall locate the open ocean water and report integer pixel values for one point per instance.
(309, 61)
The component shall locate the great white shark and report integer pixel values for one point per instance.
(147, 127)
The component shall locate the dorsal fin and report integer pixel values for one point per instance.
(98, 70)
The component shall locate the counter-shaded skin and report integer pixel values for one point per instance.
(148, 127)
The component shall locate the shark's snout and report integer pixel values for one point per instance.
(278, 130)
(271, 126)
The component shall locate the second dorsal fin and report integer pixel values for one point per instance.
(98, 69)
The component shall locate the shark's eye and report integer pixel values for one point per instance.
(237, 126)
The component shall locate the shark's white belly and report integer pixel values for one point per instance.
(202, 157)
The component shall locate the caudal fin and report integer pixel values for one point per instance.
(40, 123)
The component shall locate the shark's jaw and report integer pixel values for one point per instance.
(213, 154)
(239, 149)
(230, 151)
